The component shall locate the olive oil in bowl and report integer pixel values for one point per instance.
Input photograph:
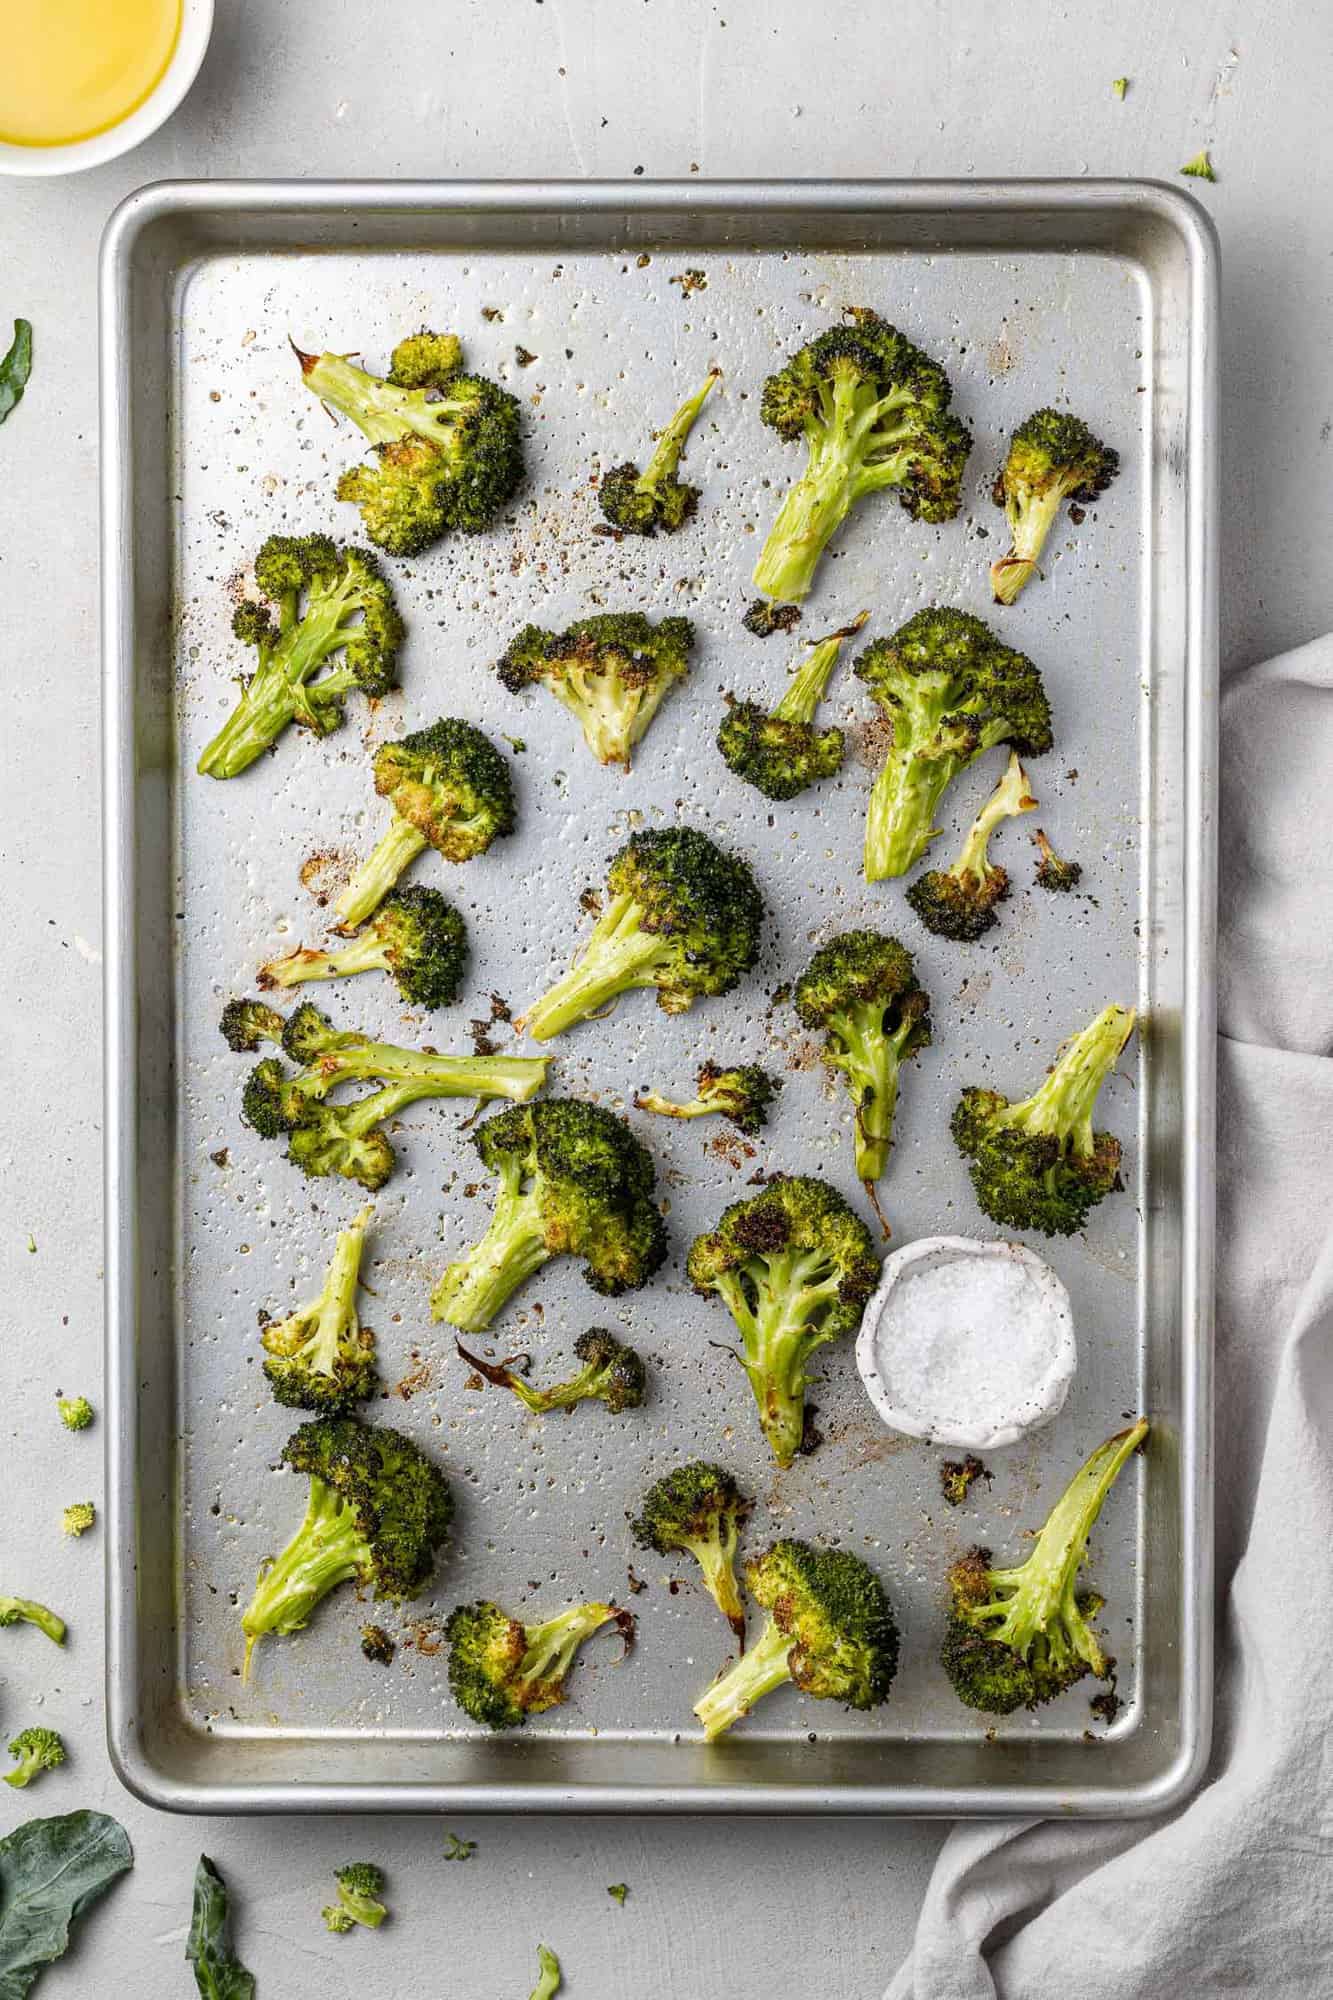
(74, 68)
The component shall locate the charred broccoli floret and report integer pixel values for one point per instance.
(37, 1750)
(781, 753)
(612, 1373)
(861, 992)
(450, 789)
(448, 447)
(79, 1518)
(22, 1610)
(743, 1095)
(958, 1476)
(680, 915)
(416, 935)
(502, 1671)
(76, 1412)
(1053, 457)
(873, 411)
(795, 1267)
(1039, 1164)
(1019, 1637)
(699, 1509)
(378, 1511)
(360, 1889)
(959, 902)
(320, 1357)
(639, 503)
(328, 601)
(830, 1631)
(1053, 873)
(612, 672)
(573, 1181)
(952, 692)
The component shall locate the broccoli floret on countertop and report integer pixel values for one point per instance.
(959, 902)
(612, 1373)
(1018, 1637)
(448, 446)
(1053, 457)
(360, 1889)
(639, 503)
(861, 992)
(830, 1630)
(320, 1357)
(37, 1750)
(76, 1412)
(699, 1509)
(502, 1671)
(22, 1610)
(782, 753)
(77, 1520)
(742, 1094)
(611, 671)
(416, 936)
(1052, 873)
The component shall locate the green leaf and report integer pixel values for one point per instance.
(50, 1871)
(218, 1972)
(15, 370)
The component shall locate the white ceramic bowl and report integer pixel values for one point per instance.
(171, 87)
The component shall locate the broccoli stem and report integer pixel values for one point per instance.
(563, 1395)
(871, 1061)
(648, 1100)
(900, 818)
(754, 1675)
(385, 413)
(1062, 1107)
(337, 1301)
(810, 515)
(661, 467)
(379, 872)
(552, 1647)
(716, 1558)
(327, 1549)
(619, 955)
(364, 954)
(12, 1609)
(515, 1077)
(777, 1339)
(806, 688)
(1030, 521)
(472, 1291)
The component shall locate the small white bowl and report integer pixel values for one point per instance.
(167, 93)
(967, 1343)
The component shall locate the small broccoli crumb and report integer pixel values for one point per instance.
(77, 1520)
(619, 1890)
(76, 1412)
(1120, 86)
(377, 1645)
(957, 1476)
(1052, 873)
(764, 619)
(1200, 168)
(458, 1850)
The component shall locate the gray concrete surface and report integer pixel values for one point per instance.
(553, 87)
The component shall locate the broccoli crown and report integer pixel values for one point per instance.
(692, 1503)
(959, 902)
(1039, 1164)
(400, 1501)
(37, 1750)
(76, 1412)
(377, 1646)
(360, 1889)
(451, 783)
(641, 503)
(742, 1094)
(860, 990)
(780, 758)
(1052, 457)
(1018, 1637)
(501, 1671)
(320, 1357)
(1053, 873)
(77, 1520)
(611, 671)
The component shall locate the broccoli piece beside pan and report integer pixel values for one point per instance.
(360, 1889)
(37, 1750)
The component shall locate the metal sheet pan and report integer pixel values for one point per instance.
(1102, 292)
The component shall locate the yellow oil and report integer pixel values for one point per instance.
(72, 68)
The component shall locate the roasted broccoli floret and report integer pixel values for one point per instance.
(1053, 873)
(320, 1357)
(1053, 457)
(450, 789)
(795, 1267)
(743, 1095)
(612, 1373)
(679, 915)
(378, 1511)
(782, 752)
(376, 1645)
(501, 1671)
(573, 1181)
(612, 672)
(830, 1630)
(958, 1476)
(1039, 1164)
(448, 447)
(16, 1610)
(549, 1983)
(1019, 1637)
(699, 1509)
(873, 411)
(37, 1750)
(360, 1888)
(76, 1412)
(77, 1520)
(416, 936)
(952, 692)
(959, 902)
(328, 601)
(860, 991)
(639, 503)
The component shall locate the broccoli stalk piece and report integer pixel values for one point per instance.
(743, 1095)
(76, 1412)
(549, 1984)
(320, 1357)
(15, 1610)
(378, 1511)
(680, 915)
(360, 1887)
(448, 450)
(501, 1671)
(329, 601)
(37, 1750)
(639, 503)
(959, 902)
(782, 753)
(1018, 1637)
(1053, 457)
(874, 413)
(612, 672)
(416, 936)
(860, 990)
(79, 1518)
(795, 1267)
(573, 1181)
(952, 692)
(1052, 873)
(450, 789)
(612, 1373)
(699, 1509)
(1039, 1164)
(830, 1631)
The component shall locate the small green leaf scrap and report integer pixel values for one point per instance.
(1200, 168)
(619, 1890)
(458, 1850)
(218, 1973)
(14, 372)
